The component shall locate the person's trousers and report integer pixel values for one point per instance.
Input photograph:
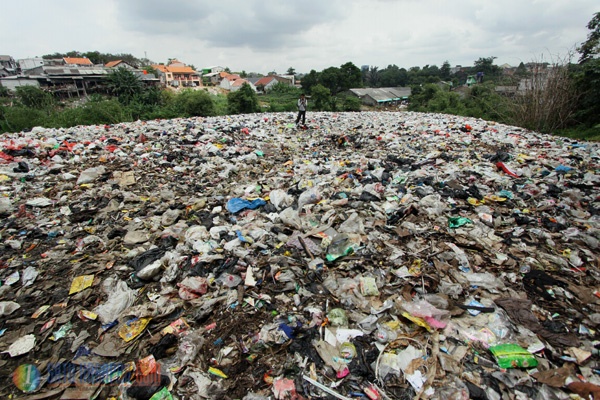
(301, 114)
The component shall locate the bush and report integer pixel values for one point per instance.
(34, 97)
(243, 101)
(321, 97)
(19, 118)
(92, 113)
(220, 102)
(351, 103)
(125, 85)
(194, 103)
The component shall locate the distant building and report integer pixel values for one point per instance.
(27, 64)
(8, 66)
(177, 74)
(382, 96)
(119, 64)
(78, 62)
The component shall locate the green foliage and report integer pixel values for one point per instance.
(124, 85)
(486, 65)
(3, 91)
(351, 103)
(283, 88)
(19, 118)
(243, 101)
(392, 76)
(587, 81)
(98, 112)
(97, 57)
(220, 102)
(337, 80)
(309, 80)
(150, 70)
(591, 47)
(34, 97)
(587, 76)
(281, 97)
(194, 103)
(320, 97)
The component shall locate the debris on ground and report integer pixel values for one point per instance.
(370, 255)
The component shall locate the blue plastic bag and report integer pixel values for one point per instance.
(236, 204)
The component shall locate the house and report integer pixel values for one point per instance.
(382, 96)
(212, 70)
(287, 79)
(164, 74)
(177, 74)
(78, 62)
(212, 75)
(238, 83)
(27, 64)
(227, 80)
(266, 83)
(119, 64)
(8, 66)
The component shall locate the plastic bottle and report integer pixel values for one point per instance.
(340, 246)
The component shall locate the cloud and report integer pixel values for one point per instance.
(258, 24)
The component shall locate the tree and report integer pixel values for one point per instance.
(124, 85)
(486, 65)
(227, 70)
(351, 103)
(195, 103)
(350, 77)
(392, 76)
(445, 71)
(373, 76)
(321, 96)
(150, 70)
(291, 71)
(588, 75)
(309, 80)
(243, 101)
(521, 70)
(591, 47)
(331, 79)
(34, 97)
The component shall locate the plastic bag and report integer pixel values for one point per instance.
(280, 199)
(236, 204)
(310, 196)
(352, 225)
(189, 347)
(290, 217)
(513, 356)
(192, 287)
(8, 307)
(120, 297)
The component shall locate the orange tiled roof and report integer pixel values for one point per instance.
(181, 70)
(160, 67)
(78, 60)
(111, 64)
(264, 81)
(239, 82)
(224, 74)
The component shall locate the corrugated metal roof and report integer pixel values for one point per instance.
(382, 95)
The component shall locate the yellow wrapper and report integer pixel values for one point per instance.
(132, 329)
(80, 283)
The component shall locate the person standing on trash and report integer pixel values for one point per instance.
(302, 102)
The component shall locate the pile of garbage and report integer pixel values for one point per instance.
(367, 255)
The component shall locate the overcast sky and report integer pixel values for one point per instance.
(266, 35)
